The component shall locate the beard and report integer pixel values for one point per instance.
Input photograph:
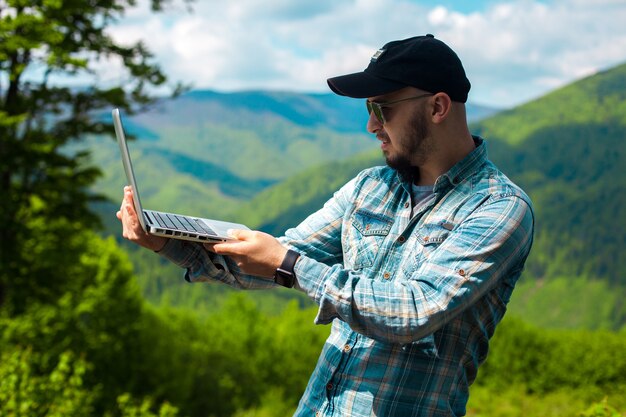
(413, 149)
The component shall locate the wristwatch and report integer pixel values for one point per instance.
(284, 274)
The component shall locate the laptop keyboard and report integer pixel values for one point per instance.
(187, 224)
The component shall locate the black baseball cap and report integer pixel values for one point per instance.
(422, 62)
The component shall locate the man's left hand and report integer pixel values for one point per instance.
(255, 253)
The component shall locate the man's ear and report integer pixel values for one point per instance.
(442, 104)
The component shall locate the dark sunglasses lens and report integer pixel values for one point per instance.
(376, 109)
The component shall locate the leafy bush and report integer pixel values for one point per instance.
(601, 409)
(549, 360)
(25, 392)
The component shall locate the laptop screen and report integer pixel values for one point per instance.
(128, 166)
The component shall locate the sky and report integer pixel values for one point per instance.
(513, 51)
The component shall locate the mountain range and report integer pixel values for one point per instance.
(268, 159)
(219, 150)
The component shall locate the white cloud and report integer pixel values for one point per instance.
(512, 50)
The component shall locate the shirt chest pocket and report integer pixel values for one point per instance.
(429, 238)
(367, 234)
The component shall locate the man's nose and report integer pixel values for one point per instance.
(373, 124)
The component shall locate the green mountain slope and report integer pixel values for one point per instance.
(599, 99)
(571, 158)
(207, 152)
(568, 150)
(286, 204)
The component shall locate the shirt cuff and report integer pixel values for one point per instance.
(310, 277)
(200, 265)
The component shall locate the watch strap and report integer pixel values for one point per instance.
(285, 274)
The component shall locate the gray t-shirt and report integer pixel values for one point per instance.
(421, 195)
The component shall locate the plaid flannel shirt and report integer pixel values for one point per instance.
(413, 300)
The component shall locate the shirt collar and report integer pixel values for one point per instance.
(461, 170)
(464, 168)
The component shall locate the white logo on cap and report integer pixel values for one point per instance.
(377, 55)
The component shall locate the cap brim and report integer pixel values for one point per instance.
(362, 85)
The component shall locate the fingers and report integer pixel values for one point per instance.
(231, 247)
(127, 198)
(254, 252)
(131, 228)
(126, 214)
(241, 234)
(227, 248)
(209, 246)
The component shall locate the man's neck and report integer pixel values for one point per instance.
(449, 153)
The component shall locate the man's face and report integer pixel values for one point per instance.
(405, 135)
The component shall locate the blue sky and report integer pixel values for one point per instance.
(513, 51)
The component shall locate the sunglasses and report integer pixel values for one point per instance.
(377, 107)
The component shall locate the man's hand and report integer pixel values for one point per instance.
(131, 228)
(255, 253)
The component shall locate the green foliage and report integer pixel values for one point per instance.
(272, 404)
(602, 409)
(91, 314)
(578, 195)
(74, 355)
(128, 407)
(26, 392)
(39, 180)
(515, 401)
(534, 372)
(547, 360)
(571, 302)
(228, 360)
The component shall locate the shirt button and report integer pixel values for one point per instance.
(386, 275)
(462, 272)
(329, 386)
(346, 348)
(426, 238)
(401, 239)
(406, 205)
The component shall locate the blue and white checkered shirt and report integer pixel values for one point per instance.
(413, 300)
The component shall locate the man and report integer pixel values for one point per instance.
(413, 263)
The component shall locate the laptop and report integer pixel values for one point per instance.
(170, 225)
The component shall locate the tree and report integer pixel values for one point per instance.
(42, 181)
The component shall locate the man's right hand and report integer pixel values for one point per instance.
(131, 228)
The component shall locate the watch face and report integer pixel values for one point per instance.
(284, 274)
(283, 278)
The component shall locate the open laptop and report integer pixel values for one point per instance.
(169, 224)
